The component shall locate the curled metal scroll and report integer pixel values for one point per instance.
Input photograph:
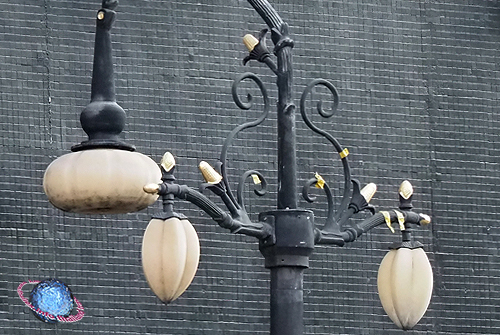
(245, 105)
(331, 224)
(347, 172)
(260, 191)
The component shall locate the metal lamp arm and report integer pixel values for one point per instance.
(259, 230)
(279, 32)
(404, 218)
(267, 12)
(340, 238)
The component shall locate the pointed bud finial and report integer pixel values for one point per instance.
(424, 219)
(406, 190)
(369, 191)
(167, 161)
(151, 188)
(250, 41)
(211, 176)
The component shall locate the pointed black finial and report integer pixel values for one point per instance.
(110, 4)
(103, 119)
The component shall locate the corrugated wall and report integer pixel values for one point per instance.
(419, 95)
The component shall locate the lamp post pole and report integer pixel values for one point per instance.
(294, 229)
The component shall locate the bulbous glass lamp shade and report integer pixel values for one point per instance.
(101, 181)
(170, 256)
(405, 283)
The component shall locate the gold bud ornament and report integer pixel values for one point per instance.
(211, 176)
(369, 191)
(406, 189)
(250, 42)
(167, 161)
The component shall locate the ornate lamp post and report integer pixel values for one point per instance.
(288, 234)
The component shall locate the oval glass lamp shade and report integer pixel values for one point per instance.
(405, 283)
(170, 256)
(101, 181)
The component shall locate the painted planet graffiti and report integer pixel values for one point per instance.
(51, 301)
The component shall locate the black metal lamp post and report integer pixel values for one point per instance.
(287, 235)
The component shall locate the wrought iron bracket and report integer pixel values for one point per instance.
(168, 190)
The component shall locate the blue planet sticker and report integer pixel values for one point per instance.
(51, 301)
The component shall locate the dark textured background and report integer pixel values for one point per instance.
(419, 89)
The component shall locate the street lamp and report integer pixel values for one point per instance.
(103, 174)
(287, 235)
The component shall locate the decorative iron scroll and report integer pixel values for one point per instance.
(343, 153)
(245, 105)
